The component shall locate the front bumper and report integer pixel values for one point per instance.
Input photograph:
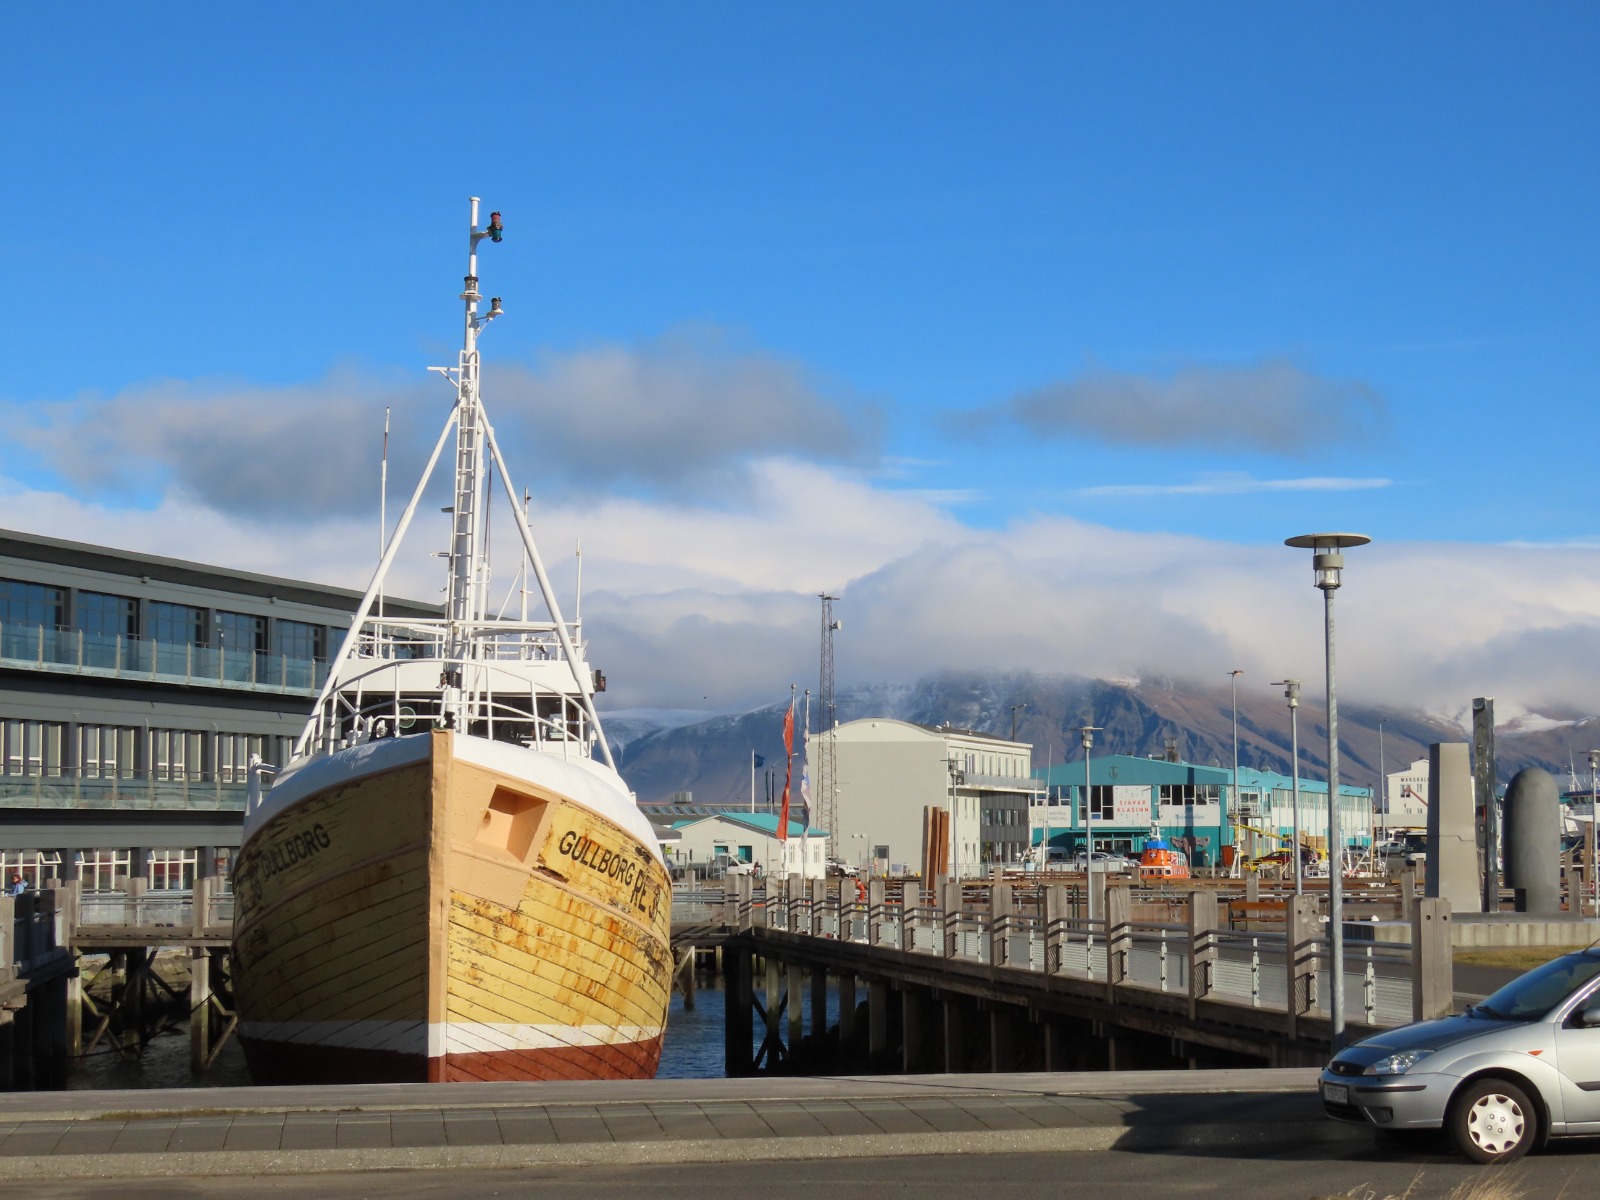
(1415, 1100)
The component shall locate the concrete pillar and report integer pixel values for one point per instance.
(1119, 936)
(1252, 886)
(1452, 833)
(913, 1031)
(774, 1001)
(74, 1008)
(875, 912)
(1302, 935)
(1533, 841)
(819, 907)
(1432, 962)
(797, 1008)
(954, 1049)
(1057, 911)
(1001, 908)
(847, 1012)
(1055, 1044)
(199, 1007)
(819, 1008)
(1003, 1020)
(878, 1001)
(1202, 946)
(740, 1020)
(950, 917)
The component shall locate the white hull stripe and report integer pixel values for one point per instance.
(453, 1037)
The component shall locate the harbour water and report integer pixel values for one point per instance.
(693, 1050)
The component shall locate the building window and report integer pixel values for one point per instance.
(38, 867)
(297, 639)
(177, 624)
(30, 603)
(33, 747)
(99, 870)
(172, 870)
(241, 631)
(1102, 800)
(107, 615)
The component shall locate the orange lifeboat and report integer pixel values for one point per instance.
(1161, 861)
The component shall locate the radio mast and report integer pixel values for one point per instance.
(828, 721)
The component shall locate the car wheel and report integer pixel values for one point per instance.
(1493, 1121)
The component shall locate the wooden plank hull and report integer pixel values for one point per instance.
(452, 916)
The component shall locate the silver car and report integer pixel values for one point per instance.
(1500, 1078)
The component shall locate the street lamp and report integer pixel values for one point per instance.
(1237, 808)
(1014, 709)
(1383, 789)
(1086, 738)
(1326, 563)
(1590, 877)
(866, 841)
(1291, 693)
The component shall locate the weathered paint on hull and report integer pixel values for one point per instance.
(448, 921)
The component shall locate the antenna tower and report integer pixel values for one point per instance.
(827, 718)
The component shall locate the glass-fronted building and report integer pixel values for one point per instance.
(133, 691)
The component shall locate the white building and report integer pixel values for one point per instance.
(713, 841)
(1406, 804)
(889, 771)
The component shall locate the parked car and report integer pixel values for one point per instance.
(726, 864)
(1402, 851)
(1499, 1078)
(836, 867)
(1114, 864)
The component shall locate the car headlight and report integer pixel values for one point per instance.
(1397, 1064)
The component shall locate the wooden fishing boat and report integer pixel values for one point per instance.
(445, 884)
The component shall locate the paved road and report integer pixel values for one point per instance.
(1359, 1171)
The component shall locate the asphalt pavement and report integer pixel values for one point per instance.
(254, 1131)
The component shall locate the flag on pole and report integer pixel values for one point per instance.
(759, 761)
(788, 774)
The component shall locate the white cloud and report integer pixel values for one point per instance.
(1236, 485)
(699, 606)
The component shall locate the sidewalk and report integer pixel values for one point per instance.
(237, 1131)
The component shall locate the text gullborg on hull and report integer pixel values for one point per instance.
(444, 883)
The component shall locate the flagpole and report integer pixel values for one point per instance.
(752, 781)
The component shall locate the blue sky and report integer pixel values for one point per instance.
(1156, 281)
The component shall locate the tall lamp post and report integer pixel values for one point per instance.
(1326, 563)
(1383, 789)
(1291, 693)
(1591, 879)
(1237, 808)
(1015, 708)
(1086, 737)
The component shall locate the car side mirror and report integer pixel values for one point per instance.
(1589, 1018)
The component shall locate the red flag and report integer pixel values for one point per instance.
(788, 771)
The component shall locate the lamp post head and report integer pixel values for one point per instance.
(1291, 691)
(1594, 759)
(1087, 732)
(1326, 560)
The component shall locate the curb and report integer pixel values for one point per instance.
(1281, 1135)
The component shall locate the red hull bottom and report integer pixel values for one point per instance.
(290, 1063)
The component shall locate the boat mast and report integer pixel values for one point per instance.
(466, 549)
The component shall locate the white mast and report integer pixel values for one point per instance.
(462, 604)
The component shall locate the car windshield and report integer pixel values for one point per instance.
(1531, 996)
